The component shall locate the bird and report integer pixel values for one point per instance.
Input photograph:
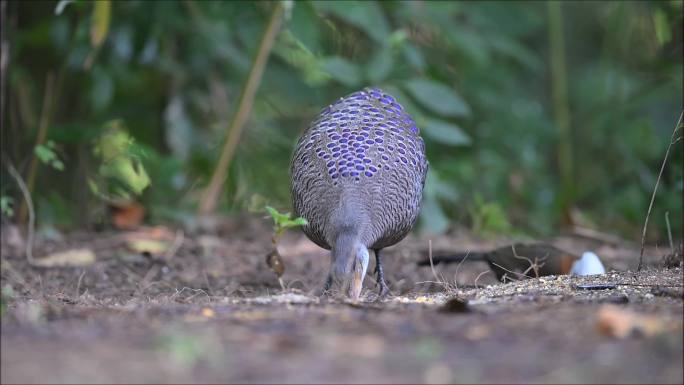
(524, 260)
(357, 176)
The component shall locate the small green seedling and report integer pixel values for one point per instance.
(281, 222)
(6, 205)
(121, 174)
(46, 153)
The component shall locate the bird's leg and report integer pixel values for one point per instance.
(380, 275)
(326, 286)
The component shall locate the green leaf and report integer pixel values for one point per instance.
(662, 27)
(343, 71)
(6, 205)
(367, 15)
(99, 26)
(445, 132)
(437, 97)
(380, 65)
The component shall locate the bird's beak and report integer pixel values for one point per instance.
(356, 283)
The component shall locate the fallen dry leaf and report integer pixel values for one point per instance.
(150, 246)
(128, 216)
(616, 322)
(72, 257)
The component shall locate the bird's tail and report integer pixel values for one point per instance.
(453, 258)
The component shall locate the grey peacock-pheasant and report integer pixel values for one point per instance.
(357, 174)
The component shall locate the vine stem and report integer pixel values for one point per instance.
(211, 193)
(673, 140)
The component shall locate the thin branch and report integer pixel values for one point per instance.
(432, 265)
(212, 192)
(512, 272)
(655, 189)
(31, 213)
(40, 139)
(669, 230)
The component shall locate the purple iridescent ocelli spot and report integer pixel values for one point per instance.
(331, 163)
(401, 151)
(368, 173)
(335, 137)
(378, 140)
(360, 167)
(334, 176)
(354, 173)
(373, 169)
(370, 141)
(404, 160)
(366, 160)
(326, 156)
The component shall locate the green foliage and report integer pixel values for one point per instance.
(489, 218)
(6, 203)
(474, 75)
(46, 154)
(121, 173)
(6, 295)
(282, 222)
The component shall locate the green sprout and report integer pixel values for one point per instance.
(46, 153)
(121, 174)
(281, 222)
(6, 205)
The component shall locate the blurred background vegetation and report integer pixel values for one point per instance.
(537, 116)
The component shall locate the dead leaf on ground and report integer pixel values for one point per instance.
(72, 257)
(619, 323)
(150, 246)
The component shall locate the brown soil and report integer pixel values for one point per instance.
(212, 311)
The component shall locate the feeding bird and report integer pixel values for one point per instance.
(357, 176)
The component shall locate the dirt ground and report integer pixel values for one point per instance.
(205, 308)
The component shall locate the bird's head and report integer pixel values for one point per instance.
(349, 268)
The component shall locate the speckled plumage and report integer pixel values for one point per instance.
(360, 168)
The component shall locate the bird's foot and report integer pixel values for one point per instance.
(384, 290)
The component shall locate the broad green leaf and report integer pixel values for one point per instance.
(437, 97)
(445, 132)
(99, 26)
(380, 65)
(662, 27)
(343, 71)
(366, 15)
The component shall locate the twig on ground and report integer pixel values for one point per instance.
(458, 267)
(535, 266)
(512, 272)
(432, 265)
(673, 140)
(177, 243)
(480, 275)
(669, 230)
(78, 285)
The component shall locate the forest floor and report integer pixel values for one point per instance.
(200, 305)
